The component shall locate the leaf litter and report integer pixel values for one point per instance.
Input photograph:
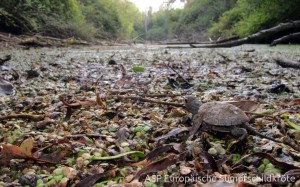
(115, 115)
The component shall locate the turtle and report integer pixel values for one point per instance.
(220, 117)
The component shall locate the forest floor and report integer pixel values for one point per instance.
(64, 121)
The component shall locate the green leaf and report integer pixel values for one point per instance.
(133, 153)
(58, 178)
(81, 152)
(51, 182)
(90, 141)
(150, 184)
(270, 169)
(293, 125)
(39, 182)
(138, 69)
(261, 168)
(266, 161)
(138, 129)
(235, 157)
(58, 172)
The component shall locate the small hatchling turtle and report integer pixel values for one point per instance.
(219, 117)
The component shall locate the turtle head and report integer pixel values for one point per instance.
(192, 104)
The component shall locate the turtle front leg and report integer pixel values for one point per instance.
(240, 132)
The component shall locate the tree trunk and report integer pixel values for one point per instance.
(259, 36)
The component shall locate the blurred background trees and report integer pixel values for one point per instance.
(84, 19)
(121, 19)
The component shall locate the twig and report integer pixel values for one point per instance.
(178, 74)
(160, 95)
(122, 92)
(82, 135)
(150, 101)
(23, 116)
(78, 103)
(223, 56)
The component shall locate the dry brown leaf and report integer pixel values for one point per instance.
(27, 146)
(100, 102)
(245, 105)
(8, 152)
(158, 166)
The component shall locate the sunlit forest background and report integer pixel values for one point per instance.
(120, 19)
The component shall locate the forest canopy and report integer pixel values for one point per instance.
(113, 19)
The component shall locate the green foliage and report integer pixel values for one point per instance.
(236, 157)
(198, 15)
(108, 19)
(102, 15)
(268, 168)
(224, 26)
(130, 17)
(71, 18)
(163, 24)
(50, 17)
(250, 16)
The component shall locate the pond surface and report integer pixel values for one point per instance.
(77, 74)
(248, 70)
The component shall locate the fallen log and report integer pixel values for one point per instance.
(232, 43)
(286, 38)
(286, 63)
(255, 38)
(182, 43)
(227, 39)
(46, 41)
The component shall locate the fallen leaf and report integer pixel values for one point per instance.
(295, 102)
(246, 106)
(11, 151)
(100, 102)
(91, 180)
(210, 159)
(158, 152)
(138, 69)
(173, 132)
(275, 162)
(5, 87)
(53, 158)
(27, 146)
(159, 165)
(8, 152)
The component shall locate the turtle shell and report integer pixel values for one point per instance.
(222, 114)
